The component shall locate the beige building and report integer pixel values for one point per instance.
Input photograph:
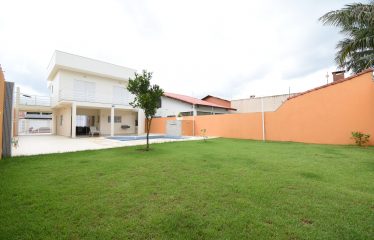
(254, 104)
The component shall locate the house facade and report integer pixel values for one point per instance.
(87, 93)
(173, 104)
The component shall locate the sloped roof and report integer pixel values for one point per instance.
(333, 83)
(195, 101)
(207, 96)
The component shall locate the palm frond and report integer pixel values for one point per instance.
(356, 21)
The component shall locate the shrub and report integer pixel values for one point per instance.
(203, 134)
(360, 138)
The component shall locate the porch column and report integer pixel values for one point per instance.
(73, 119)
(112, 121)
(141, 122)
(54, 121)
(15, 122)
(194, 112)
(16, 112)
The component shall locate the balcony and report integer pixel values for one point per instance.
(122, 99)
(34, 100)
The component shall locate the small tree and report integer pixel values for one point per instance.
(147, 97)
(203, 134)
(360, 138)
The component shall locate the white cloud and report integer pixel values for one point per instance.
(228, 48)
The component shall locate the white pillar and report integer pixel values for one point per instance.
(54, 121)
(16, 113)
(73, 119)
(18, 97)
(141, 122)
(193, 119)
(194, 112)
(112, 121)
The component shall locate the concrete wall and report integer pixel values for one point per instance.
(7, 120)
(325, 115)
(271, 103)
(187, 128)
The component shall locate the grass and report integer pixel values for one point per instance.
(220, 189)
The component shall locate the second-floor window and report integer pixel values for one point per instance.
(84, 91)
(120, 95)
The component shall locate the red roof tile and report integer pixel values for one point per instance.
(333, 83)
(214, 97)
(193, 100)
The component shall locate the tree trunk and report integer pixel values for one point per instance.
(149, 121)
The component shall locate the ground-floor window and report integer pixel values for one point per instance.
(186, 113)
(117, 119)
(199, 113)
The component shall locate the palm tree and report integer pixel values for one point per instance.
(356, 21)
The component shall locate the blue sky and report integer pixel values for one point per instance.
(232, 49)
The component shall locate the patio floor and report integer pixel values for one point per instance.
(44, 144)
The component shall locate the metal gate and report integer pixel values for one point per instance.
(174, 128)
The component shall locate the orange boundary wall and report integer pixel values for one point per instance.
(325, 115)
(2, 95)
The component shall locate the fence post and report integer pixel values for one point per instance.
(263, 119)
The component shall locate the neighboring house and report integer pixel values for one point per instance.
(87, 93)
(271, 103)
(174, 104)
(217, 100)
(257, 104)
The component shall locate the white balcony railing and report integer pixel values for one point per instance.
(34, 100)
(66, 95)
(97, 97)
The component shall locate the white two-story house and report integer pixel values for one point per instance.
(90, 93)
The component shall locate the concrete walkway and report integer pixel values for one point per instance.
(43, 144)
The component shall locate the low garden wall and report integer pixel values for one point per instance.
(327, 115)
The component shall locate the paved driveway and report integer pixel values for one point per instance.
(43, 144)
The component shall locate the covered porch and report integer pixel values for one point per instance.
(75, 120)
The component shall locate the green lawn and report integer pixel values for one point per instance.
(220, 189)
